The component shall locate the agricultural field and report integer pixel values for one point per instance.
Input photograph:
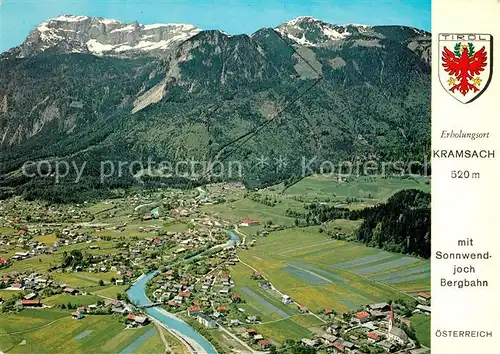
(319, 272)
(64, 299)
(33, 331)
(422, 325)
(108, 291)
(360, 193)
(248, 209)
(367, 190)
(84, 279)
(277, 319)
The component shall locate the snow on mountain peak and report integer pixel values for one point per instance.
(102, 36)
(70, 18)
(310, 31)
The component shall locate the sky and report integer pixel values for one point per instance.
(19, 17)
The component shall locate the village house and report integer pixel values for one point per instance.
(193, 310)
(77, 315)
(206, 321)
(333, 329)
(381, 306)
(249, 222)
(373, 337)
(252, 319)
(264, 344)
(258, 337)
(362, 317)
(328, 339)
(234, 323)
(31, 303)
(422, 296)
(70, 291)
(309, 342)
(250, 333)
(423, 309)
(386, 345)
(138, 320)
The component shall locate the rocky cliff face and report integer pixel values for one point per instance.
(99, 36)
(95, 89)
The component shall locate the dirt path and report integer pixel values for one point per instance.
(34, 328)
(274, 288)
(162, 336)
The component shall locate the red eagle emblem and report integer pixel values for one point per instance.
(464, 66)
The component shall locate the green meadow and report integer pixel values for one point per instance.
(54, 331)
(367, 190)
(319, 272)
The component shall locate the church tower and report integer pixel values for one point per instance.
(391, 318)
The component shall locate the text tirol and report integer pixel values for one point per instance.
(464, 37)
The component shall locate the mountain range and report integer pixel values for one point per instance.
(87, 90)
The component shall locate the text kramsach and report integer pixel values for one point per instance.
(463, 154)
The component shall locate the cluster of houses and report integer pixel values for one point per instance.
(31, 286)
(26, 281)
(376, 326)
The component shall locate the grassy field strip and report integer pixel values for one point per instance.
(363, 260)
(308, 276)
(382, 285)
(83, 334)
(31, 329)
(265, 303)
(396, 263)
(408, 278)
(138, 342)
(320, 252)
(329, 275)
(306, 247)
(424, 268)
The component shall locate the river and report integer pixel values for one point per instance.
(137, 295)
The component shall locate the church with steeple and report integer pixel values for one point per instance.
(395, 334)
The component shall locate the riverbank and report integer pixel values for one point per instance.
(188, 335)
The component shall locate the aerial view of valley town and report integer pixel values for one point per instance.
(290, 212)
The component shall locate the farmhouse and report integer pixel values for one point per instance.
(373, 337)
(424, 309)
(257, 337)
(264, 344)
(31, 303)
(328, 338)
(309, 342)
(77, 315)
(30, 296)
(70, 291)
(250, 333)
(193, 310)
(381, 306)
(386, 345)
(362, 317)
(249, 222)
(422, 296)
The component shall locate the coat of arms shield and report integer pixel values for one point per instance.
(465, 64)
